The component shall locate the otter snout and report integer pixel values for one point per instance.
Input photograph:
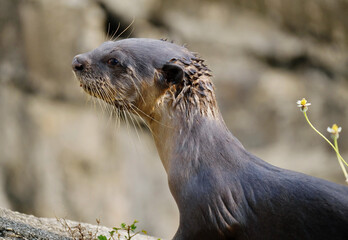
(79, 63)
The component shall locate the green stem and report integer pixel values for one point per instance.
(339, 160)
(128, 233)
(338, 154)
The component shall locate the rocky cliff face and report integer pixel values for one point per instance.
(60, 155)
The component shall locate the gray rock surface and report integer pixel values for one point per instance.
(15, 225)
(62, 155)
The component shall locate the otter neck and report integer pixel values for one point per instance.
(181, 140)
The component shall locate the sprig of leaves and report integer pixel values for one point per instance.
(130, 232)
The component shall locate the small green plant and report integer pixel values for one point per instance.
(129, 229)
(79, 232)
(334, 130)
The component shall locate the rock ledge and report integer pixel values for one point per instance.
(14, 225)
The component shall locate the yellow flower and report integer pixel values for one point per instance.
(303, 105)
(334, 130)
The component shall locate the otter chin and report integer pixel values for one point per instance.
(222, 191)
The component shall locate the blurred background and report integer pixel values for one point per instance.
(61, 156)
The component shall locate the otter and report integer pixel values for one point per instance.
(222, 191)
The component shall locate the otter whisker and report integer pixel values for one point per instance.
(107, 106)
(111, 107)
(132, 120)
(102, 104)
(125, 111)
(135, 85)
(105, 96)
(118, 119)
(139, 117)
(102, 96)
(114, 112)
(131, 32)
(92, 97)
(115, 32)
(98, 96)
(107, 32)
(109, 98)
(138, 109)
(126, 119)
(125, 29)
(134, 117)
(90, 100)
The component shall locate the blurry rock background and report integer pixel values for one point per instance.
(60, 155)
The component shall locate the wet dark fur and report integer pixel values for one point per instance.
(222, 191)
(195, 92)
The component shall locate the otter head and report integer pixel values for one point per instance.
(138, 74)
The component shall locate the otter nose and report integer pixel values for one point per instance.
(79, 63)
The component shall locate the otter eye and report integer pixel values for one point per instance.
(113, 61)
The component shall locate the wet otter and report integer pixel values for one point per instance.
(221, 190)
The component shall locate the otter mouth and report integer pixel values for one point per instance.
(98, 88)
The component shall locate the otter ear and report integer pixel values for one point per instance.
(172, 73)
